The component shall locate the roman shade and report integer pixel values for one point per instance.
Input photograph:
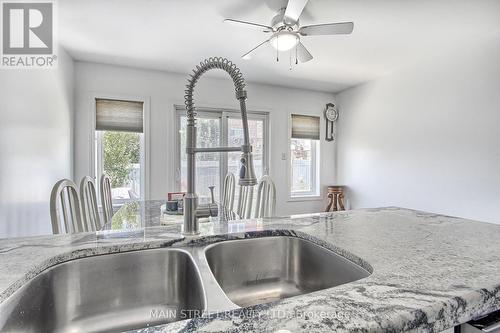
(305, 127)
(116, 115)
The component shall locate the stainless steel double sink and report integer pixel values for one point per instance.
(132, 290)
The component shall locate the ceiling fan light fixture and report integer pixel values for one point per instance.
(284, 40)
(286, 32)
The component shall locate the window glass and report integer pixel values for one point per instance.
(216, 129)
(235, 139)
(303, 167)
(207, 164)
(119, 156)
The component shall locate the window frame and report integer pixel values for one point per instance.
(94, 140)
(315, 194)
(223, 114)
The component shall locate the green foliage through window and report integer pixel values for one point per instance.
(121, 150)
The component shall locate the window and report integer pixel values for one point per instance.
(119, 147)
(217, 128)
(207, 164)
(304, 156)
(257, 140)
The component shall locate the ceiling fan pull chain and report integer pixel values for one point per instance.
(296, 59)
(290, 59)
(277, 50)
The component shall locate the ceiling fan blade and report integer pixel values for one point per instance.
(248, 55)
(302, 54)
(261, 27)
(344, 28)
(274, 5)
(293, 11)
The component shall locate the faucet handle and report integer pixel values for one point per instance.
(211, 188)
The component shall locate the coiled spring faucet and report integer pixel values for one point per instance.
(247, 174)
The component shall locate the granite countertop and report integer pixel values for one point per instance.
(429, 272)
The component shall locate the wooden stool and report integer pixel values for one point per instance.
(336, 195)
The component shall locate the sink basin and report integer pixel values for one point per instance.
(138, 289)
(261, 270)
(107, 293)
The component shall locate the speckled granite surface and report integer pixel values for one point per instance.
(430, 272)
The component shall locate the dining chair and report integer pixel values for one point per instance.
(266, 198)
(65, 193)
(245, 202)
(228, 191)
(88, 198)
(106, 199)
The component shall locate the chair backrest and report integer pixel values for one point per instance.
(106, 199)
(245, 202)
(65, 193)
(228, 191)
(88, 198)
(266, 198)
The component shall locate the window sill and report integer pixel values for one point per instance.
(305, 198)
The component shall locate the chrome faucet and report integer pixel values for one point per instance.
(247, 174)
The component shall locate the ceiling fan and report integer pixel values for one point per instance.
(286, 31)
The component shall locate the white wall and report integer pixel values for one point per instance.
(426, 137)
(164, 90)
(36, 148)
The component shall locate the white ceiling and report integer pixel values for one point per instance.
(174, 35)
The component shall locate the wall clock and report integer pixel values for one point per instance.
(331, 116)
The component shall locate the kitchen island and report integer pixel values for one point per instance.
(428, 272)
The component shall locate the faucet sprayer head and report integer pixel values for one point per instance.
(247, 173)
